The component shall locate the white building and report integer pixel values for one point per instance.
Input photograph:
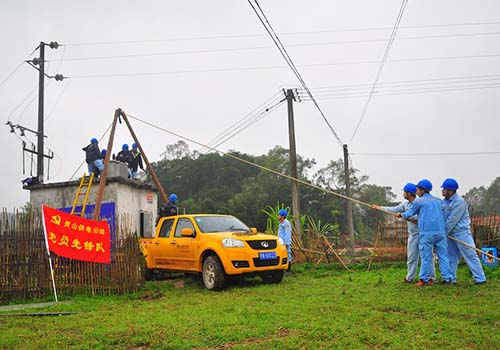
(130, 206)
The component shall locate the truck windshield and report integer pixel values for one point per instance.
(208, 224)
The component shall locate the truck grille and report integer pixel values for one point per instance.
(261, 244)
(269, 262)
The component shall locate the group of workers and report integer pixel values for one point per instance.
(94, 158)
(437, 225)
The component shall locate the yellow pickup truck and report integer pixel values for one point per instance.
(215, 246)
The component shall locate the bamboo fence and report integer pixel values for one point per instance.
(24, 266)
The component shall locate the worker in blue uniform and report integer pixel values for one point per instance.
(457, 221)
(432, 233)
(410, 194)
(285, 233)
(93, 157)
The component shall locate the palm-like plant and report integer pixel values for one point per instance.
(272, 217)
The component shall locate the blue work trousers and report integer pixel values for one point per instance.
(439, 243)
(289, 252)
(456, 249)
(96, 164)
(413, 257)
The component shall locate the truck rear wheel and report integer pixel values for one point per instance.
(273, 276)
(213, 274)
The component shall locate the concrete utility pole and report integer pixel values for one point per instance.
(293, 161)
(40, 62)
(41, 78)
(350, 224)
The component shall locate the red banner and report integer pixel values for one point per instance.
(75, 237)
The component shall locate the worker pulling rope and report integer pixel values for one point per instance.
(305, 183)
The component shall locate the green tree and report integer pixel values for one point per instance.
(475, 199)
(214, 183)
(491, 201)
(332, 177)
(484, 201)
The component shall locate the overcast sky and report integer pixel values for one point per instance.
(123, 54)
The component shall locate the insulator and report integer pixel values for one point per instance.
(54, 45)
(59, 77)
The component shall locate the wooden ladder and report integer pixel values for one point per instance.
(83, 190)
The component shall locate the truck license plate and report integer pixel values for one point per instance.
(267, 255)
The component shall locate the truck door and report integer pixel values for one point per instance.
(184, 251)
(160, 244)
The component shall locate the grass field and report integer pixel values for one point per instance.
(322, 309)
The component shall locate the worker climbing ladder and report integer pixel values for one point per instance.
(83, 191)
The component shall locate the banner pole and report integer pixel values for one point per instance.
(48, 254)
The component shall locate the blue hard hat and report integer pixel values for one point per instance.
(124, 147)
(450, 184)
(283, 212)
(94, 140)
(425, 184)
(103, 152)
(134, 146)
(410, 188)
(172, 198)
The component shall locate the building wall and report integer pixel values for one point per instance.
(131, 198)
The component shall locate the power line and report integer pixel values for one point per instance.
(240, 36)
(379, 71)
(407, 91)
(100, 138)
(229, 155)
(16, 69)
(223, 50)
(251, 122)
(244, 120)
(58, 98)
(21, 103)
(408, 82)
(290, 63)
(426, 154)
(313, 65)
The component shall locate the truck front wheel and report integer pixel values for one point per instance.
(213, 274)
(273, 276)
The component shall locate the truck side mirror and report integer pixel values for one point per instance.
(253, 230)
(187, 232)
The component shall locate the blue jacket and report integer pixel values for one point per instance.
(285, 232)
(412, 225)
(430, 215)
(456, 215)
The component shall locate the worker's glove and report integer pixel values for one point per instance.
(374, 206)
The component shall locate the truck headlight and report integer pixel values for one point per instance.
(281, 241)
(232, 243)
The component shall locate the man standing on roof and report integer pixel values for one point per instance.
(432, 233)
(135, 161)
(124, 156)
(409, 194)
(457, 221)
(285, 233)
(93, 157)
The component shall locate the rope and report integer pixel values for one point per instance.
(287, 176)
(305, 183)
